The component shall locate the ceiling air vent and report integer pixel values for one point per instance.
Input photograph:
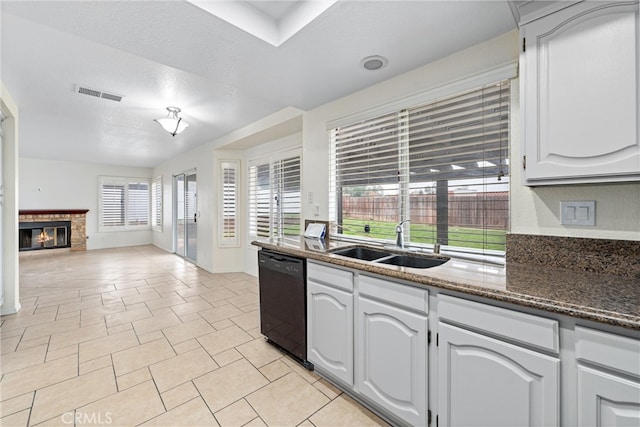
(98, 93)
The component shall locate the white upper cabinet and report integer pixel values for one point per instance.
(580, 88)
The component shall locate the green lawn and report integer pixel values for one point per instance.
(423, 233)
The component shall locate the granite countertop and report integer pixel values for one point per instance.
(605, 298)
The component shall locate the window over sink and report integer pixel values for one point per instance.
(441, 165)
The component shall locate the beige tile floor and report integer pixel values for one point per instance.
(136, 336)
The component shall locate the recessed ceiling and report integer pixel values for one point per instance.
(173, 53)
(274, 22)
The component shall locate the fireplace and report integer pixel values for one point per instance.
(52, 229)
(44, 235)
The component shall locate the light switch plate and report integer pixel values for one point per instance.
(578, 213)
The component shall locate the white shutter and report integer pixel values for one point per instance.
(124, 203)
(259, 200)
(229, 206)
(112, 211)
(275, 199)
(138, 203)
(156, 203)
(286, 204)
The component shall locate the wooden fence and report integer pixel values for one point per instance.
(489, 210)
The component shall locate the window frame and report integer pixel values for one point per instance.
(276, 224)
(477, 82)
(126, 203)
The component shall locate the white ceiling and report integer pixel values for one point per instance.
(161, 53)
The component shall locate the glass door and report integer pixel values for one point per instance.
(185, 214)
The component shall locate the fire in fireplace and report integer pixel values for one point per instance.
(44, 235)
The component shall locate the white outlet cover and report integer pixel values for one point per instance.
(581, 212)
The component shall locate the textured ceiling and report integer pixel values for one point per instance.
(161, 53)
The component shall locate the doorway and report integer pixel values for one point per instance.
(185, 226)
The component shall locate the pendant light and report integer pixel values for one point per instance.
(172, 123)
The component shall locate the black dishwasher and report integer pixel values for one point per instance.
(283, 306)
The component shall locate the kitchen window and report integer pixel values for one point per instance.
(124, 203)
(443, 166)
(275, 196)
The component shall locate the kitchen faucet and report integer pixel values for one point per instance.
(399, 232)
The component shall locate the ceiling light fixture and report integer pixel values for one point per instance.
(172, 123)
(374, 63)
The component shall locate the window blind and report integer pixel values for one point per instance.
(275, 198)
(124, 203)
(259, 200)
(112, 196)
(229, 223)
(442, 165)
(138, 203)
(286, 204)
(156, 203)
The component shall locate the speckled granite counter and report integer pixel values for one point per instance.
(610, 299)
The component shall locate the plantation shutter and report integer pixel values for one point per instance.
(138, 203)
(259, 200)
(112, 197)
(124, 203)
(286, 206)
(156, 203)
(229, 226)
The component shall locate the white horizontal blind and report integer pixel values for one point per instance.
(124, 203)
(286, 205)
(366, 164)
(156, 203)
(442, 165)
(229, 219)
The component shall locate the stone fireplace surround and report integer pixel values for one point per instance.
(78, 218)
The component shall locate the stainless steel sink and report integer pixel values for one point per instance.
(413, 261)
(389, 257)
(362, 253)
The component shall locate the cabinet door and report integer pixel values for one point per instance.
(581, 94)
(392, 359)
(607, 400)
(486, 382)
(330, 330)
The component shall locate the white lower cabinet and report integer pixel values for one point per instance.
(487, 382)
(330, 321)
(493, 366)
(484, 379)
(608, 379)
(392, 358)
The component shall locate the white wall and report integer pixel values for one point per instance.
(52, 184)
(9, 273)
